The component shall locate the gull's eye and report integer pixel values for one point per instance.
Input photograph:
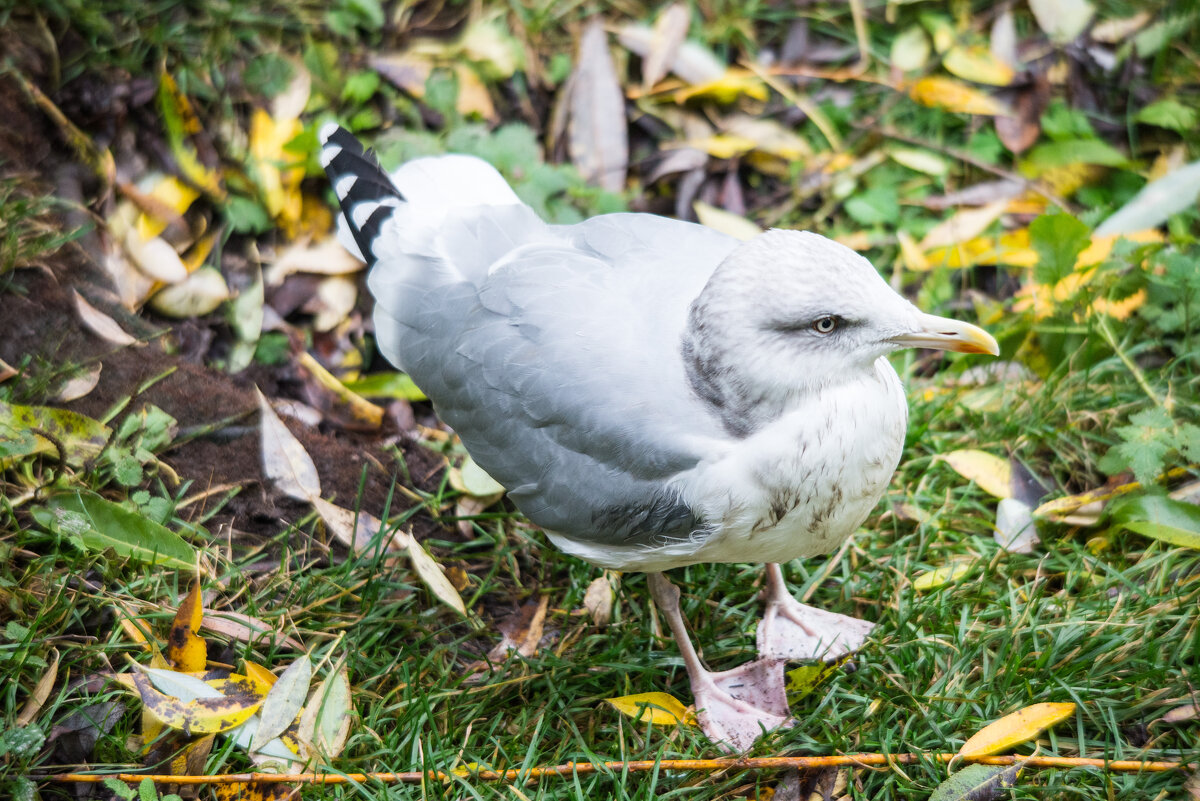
(825, 325)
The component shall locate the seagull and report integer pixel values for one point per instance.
(652, 393)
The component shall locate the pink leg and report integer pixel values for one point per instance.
(794, 631)
(734, 706)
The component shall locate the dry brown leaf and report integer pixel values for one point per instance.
(78, 386)
(599, 598)
(326, 257)
(247, 629)
(284, 459)
(473, 95)
(963, 225)
(7, 371)
(429, 571)
(41, 692)
(355, 531)
(524, 634)
(100, 323)
(670, 30)
(597, 137)
(1181, 714)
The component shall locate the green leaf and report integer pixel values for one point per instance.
(101, 525)
(977, 783)
(1148, 439)
(1077, 151)
(1160, 518)
(874, 206)
(1058, 240)
(1169, 113)
(386, 385)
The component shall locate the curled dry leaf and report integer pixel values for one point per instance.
(247, 629)
(100, 323)
(524, 633)
(284, 459)
(41, 692)
(7, 371)
(80, 385)
(187, 650)
(326, 257)
(597, 136)
(1016, 728)
(599, 598)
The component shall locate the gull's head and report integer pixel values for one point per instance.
(792, 311)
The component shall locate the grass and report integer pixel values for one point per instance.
(1106, 619)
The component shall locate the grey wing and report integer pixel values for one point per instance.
(561, 373)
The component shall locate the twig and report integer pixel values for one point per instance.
(641, 766)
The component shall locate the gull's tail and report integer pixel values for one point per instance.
(365, 192)
(416, 197)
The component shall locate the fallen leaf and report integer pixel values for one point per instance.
(977, 783)
(963, 225)
(44, 429)
(1016, 728)
(284, 459)
(803, 680)
(1062, 20)
(597, 137)
(247, 629)
(662, 709)
(1156, 201)
(473, 95)
(7, 371)
(1181, 714)
(100, 323)
(670, 29)
(726, 222)
(196, 295)
(332, 302)
(41, 692)
(429, 571)
(940, 577)
(693, 63)
(354, 530)
(1164, 519)
(155, 258)
(80, 385)
(187, 650)
(200, 715)
(732, 85)
(361, 409)
(910, 49)
(283, 702)
(99, 525)
(977, 63)
(920, 160)
(1118, 29)
(951, 95)
(325, 722)
(991, 473)
(599, 598)
(524, 634)
(169, 199)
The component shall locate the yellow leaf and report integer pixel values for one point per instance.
(175, 196)
(201, 716)
(991, 473)
(963, 225)
(278, 172)
(726, 89)
(726, 222)
(1120, 309)
(910, 253)
(360, 408)
(473, 96)
(662, 709)
(185, 648)
(1014, 729)
(803, 680)
(238, 685)
(723, 146)
(951, 95)
(262, 678)
(976, 63)
(1011, 249)
(947, 574)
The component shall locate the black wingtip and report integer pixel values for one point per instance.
(344, 157)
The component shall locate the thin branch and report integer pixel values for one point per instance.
(582, 768)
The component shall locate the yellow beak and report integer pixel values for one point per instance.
(942, 333)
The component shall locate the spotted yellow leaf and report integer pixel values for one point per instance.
(199, 716)
(1014, 729)
(726, 89)
(662, 709)
(187, 650)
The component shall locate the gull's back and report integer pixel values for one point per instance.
(553, 351)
